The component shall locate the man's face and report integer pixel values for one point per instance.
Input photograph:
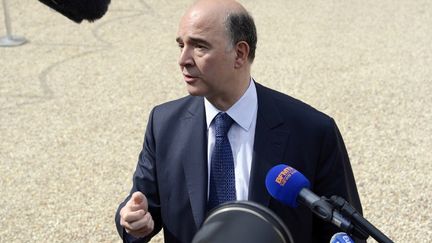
(206, 55)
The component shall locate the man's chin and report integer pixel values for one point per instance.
(194, 91)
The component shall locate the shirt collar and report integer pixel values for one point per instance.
(242, 112)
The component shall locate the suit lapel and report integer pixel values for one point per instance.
(270, 140)
(194, 158)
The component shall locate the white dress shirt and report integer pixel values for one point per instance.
(241, 136)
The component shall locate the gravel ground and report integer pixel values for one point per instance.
(74, 103)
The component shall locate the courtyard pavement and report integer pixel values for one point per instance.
(75, 99)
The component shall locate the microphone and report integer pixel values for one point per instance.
(290, 187)
(78, 10)
(341, 237)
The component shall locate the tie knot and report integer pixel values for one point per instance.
(223, 123)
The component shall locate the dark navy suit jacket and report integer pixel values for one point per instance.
(172, 166)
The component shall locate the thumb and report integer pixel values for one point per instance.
(139, 200)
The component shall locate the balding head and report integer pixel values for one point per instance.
(219, 7)
(232, 16)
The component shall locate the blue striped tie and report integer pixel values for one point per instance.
(222, 178)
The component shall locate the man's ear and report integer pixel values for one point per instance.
(242, 54)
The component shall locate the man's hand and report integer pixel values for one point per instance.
(135, 218)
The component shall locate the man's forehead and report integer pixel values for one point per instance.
(202, 18)
(198, 23)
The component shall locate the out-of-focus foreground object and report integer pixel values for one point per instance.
(78, 10)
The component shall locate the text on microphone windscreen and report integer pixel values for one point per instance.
(284, 183)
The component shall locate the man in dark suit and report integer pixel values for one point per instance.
(176, 180)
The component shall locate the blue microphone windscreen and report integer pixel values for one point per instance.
(284, 183)
(341, 238)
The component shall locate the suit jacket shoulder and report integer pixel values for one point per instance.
(295, 114)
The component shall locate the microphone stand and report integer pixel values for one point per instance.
(357, 220)
(324, 209)
(9, 40)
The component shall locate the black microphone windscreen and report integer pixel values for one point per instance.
(242, 221)
(78, 10)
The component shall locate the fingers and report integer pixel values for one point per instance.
(141, 227)
(134, 216)
(144, 222)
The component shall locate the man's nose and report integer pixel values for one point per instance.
(186, 57)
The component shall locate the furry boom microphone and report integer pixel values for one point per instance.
(78, 10)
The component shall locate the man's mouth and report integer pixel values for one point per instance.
(189, 78)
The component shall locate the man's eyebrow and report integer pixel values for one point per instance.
(199, 41)
(195, 40)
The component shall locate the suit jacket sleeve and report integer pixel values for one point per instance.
(334, 176)
(145, 181)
